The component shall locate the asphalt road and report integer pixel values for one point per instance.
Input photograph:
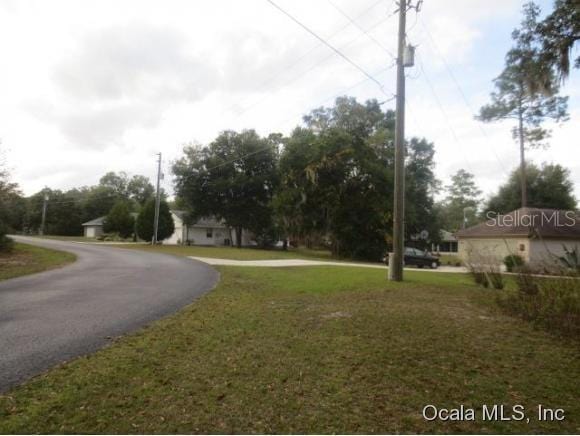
(51, 317)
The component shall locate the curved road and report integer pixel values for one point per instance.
(51, 317)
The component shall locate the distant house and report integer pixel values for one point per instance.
(448, 243)
(205, 231)
(94, 228)
(536, 235)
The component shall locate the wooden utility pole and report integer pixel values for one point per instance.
(396, 260)
(157, 200)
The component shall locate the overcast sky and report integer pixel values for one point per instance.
(88, 87)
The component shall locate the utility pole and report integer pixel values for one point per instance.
(157, 200)
(396, 260)
(44, 206)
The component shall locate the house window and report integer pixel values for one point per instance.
(522, 247)
(209, 233)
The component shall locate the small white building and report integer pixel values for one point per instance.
(538, 236)
(205, 231)
(94, 228)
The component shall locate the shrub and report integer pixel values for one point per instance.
(571, 259)
(513, 262)
(6, 243)
(486, 274)
(549, 302)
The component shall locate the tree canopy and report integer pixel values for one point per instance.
(462, 200)
(549, 186)
(337, 180)
(119, 220)
(517, 97)
(233, 179)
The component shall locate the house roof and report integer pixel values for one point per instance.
(527, 222)
(96, 222)
(201, 222)
(447, 236)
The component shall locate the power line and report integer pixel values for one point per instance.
(459, 88)
(334, 49)
(295, 62)
(443, 112)
(354, 23)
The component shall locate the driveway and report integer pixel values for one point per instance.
(54, 316)
(276, 263)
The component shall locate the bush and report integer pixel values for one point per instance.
(112, 237)
(571, 259)
(486, 274)
(549, 302)
(6, 243)
(513, 262)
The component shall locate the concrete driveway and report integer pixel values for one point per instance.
(277, 263)
(51, 317)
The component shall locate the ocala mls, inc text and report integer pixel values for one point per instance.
(496, 412)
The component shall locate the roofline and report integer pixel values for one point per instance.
(518, 236)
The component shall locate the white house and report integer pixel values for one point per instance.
(536, 235)
(205, 231)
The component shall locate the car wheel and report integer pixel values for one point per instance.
(434, 265)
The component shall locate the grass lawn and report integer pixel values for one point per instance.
(65, 238)
(234, 253)
(310, 350)
(27, 259)
(449, 259)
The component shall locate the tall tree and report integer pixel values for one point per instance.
(550, 187)
(233, 179)
(336, 180)
(140, 189)
(146, 217)
(516, 98)
(119, 220)
(116, 182)
(63, 216)
(557, 34)
(460, 206)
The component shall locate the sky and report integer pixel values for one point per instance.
(88, 87)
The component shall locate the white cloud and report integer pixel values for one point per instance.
(93, 86)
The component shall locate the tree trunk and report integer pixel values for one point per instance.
(239, 237)
(523, 177)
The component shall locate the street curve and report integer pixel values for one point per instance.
(54, 316)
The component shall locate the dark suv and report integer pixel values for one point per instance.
(419, 258)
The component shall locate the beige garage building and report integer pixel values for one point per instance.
(537, 235)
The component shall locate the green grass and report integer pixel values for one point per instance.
(448, 259)
(27, 259)
(310, 350)
(65, 238)
(234, 253)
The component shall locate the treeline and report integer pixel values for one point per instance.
(549, 186)
(67, 210)
(329, 183)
